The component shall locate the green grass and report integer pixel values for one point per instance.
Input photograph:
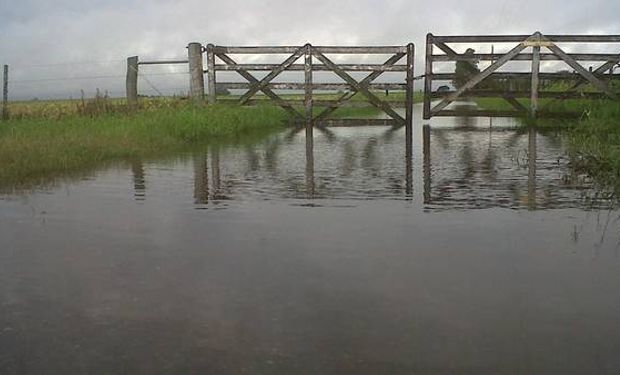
(45, 140)
(565, 106)
(593, 134)
(36, 150)
(595, 144)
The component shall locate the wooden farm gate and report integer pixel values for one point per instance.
(303, 108)
(496, 81)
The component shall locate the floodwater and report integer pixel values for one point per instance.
(481, 252)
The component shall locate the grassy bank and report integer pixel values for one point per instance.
(45, 140)
(593, 134)
(595, 144)
(36, 149)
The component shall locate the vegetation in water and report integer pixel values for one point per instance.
(595, 144)
(36, 149)
(44, 140)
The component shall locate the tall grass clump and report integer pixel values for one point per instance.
(595, 144)
(35, 149)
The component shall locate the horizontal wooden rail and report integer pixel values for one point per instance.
(355, 90)
(315, 86)
(327, 49)
(524, 94)
(163, 62)
(317, 67)
(326, 103)
(517, 75)
(521, 38)
(524, 57)
(495, 113)
(334, 123)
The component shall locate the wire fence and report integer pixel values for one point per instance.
(73, 79)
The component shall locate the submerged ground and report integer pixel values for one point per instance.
(488, 254)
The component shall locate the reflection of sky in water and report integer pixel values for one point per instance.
(469, 166)
(382, 271)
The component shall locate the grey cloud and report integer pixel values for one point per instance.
(72, 33)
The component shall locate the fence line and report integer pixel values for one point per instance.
(471, 87)
(5, 92)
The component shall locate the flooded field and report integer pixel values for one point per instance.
(481, 253)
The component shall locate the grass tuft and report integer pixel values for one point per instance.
(34, 150)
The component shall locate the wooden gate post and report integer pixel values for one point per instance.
(211, 83)
(410, 82)
(131, 82)
(310, 186)
(535, 75)
(308, 103)
(5, 93)
(428, 76)
(426, 150)
(531, 167)
(196, 73)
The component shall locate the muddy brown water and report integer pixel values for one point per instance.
(486, 256)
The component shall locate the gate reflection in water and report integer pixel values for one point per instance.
(388, 267)
(458, 167)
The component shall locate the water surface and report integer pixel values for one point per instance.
(480, 254)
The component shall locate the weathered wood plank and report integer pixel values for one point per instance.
(365, 82)
(315, 67)
(409, 83)
(535, 80)
(582, 81)
(322, 49)
(211, 74)
(265, 90)
(315, 86)
(362, 49)
(308, 83)
(5, 92)
(131, 82)
(520, 38)
(516, 75)
(426, 163)
(515, 104)
(196, 79)
(274, 73)
(355, 122)
(337, 104)
(428, 77)
(581, 70)
(491, 113)
(524, 94)
(359, 88)
(479, 77)
(163, 62)
(522, 57)
(326, 103)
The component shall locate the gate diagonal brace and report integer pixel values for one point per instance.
(581, 70)
(274, 73)
(482, 75)
(365, 82)
(582, 81)
(266, 90)
(372, 99)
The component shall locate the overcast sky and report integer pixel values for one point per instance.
(47, 39)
